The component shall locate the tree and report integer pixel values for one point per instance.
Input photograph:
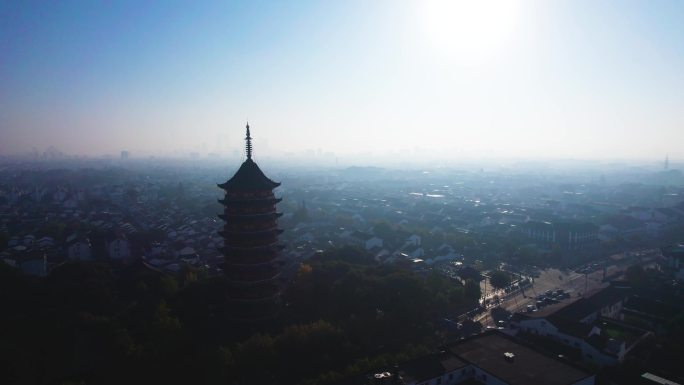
(3, 240)
(499, 279)
(469, 273)
(636, 275)
(472, 290)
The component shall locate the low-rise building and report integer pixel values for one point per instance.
(567, 236)
(489, 358)
(590, 325)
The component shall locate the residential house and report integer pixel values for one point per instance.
(621, 226)
(79, 249)
(365, 240)
(119, 249)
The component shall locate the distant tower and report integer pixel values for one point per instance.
(251, 243)
(667, 161)
(125, 154)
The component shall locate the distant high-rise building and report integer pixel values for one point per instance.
(125, 154)
(566, 236)
(251, 242)
(667, 161)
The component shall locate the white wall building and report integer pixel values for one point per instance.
(119, 249)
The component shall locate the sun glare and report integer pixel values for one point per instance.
(469, 31)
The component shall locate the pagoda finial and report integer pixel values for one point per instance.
(248, 138)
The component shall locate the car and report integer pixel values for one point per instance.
(548, 293)
(530, 308)
(540, 304)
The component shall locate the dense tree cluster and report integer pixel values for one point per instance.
(90, 323)
(499, 279)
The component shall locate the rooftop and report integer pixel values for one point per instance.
(526, 367)
(430, 366)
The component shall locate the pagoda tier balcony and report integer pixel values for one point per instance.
(227, 201)
(246, 194)
(256, 247)
(241, 233)
(249, 253)
(250, 240)
(247, 227)
(251, 276)
(249, 210)
(250, 217)
(247, 242)
(253, 259)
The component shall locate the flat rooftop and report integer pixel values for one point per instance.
(526, 367)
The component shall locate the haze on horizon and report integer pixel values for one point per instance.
(533, 79)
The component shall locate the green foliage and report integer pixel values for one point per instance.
(169, 285)
(470, 273)
(472, 291)
(86, 323)
(384, 230)
(499, 279)
(4, 238)
(676, 328)
(636, 275)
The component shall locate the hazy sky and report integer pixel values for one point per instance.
(582, 79)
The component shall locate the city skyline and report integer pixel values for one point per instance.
(452, 80)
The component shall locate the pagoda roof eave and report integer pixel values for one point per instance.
(249, 177)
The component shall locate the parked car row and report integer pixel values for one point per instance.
(550, 297)
(588, 269)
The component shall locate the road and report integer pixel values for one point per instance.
(551, 279)
(575, 284)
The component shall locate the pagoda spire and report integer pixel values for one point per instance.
(248, 146)
(667, 161)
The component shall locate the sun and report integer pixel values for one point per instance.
(469, 31)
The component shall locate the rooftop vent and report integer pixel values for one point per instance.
(509, 356)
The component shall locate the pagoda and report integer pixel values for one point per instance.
(251, 243)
